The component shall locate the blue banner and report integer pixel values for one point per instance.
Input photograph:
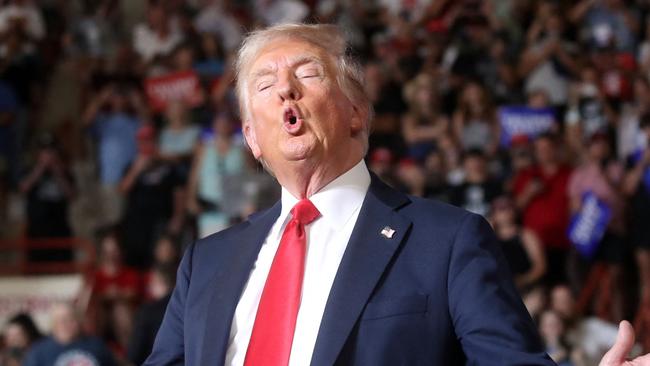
(588, 226)
(524, 121)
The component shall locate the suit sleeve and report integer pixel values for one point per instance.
(169, 346)
(490, 320)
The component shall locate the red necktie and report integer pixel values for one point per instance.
(270, 343)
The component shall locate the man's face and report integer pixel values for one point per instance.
(544, 151)
(297, 112)
(65, 326)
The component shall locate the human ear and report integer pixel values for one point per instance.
(251, 139)
(357, 121)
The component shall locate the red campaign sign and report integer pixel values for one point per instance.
(177, 86)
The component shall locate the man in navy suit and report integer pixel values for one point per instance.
(383, 278)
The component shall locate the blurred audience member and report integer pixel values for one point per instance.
(522, 247)
(166, 252)
(153, 201)
(521, 158)
(116, 289)
(210, 62)
(478, 190)
(158, 35)
(411, 177)
(22, 16)
(68, 345)
(435, 175)
(217, 20)
(539, 190)
(588, 111)
(547, 60)
(381, 163)
(601, 175)
(563, 303)
(218, 164)
(424, 123)
(150, 315)
(629, 134)
(178, 138)
(19, 334)
(114, 116)
(605, 23)
(474, 121)
(49, 188)
(636, 185)
(553, 332)
(113, 281)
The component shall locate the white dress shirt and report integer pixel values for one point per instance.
(339, 203)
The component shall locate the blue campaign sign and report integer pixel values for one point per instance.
(588, 226)
(530, 122)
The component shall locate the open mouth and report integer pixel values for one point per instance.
(292, 119)
(290, 116)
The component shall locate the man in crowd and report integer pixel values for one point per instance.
(343, 270)
(68, 345)
(540, 189)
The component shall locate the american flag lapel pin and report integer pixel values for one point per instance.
(387, 232)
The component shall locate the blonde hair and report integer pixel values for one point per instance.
(349, 73)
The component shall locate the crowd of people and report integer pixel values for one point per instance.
(119, 122)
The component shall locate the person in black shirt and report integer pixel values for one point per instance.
(153, 204)
(636, 185)
(477, 191)
(49, 189)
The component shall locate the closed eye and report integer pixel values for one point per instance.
(263, 87)
(309, 71)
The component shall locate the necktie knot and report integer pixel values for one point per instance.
(305, 212)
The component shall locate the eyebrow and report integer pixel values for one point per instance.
(293, 63)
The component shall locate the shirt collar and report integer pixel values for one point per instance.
(338, 200)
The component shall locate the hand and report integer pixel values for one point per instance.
(617, 355)
(534, 187)
(141, 162)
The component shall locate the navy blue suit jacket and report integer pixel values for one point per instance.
(435, 293)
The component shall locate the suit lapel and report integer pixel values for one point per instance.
(238, 258)
(366, 257)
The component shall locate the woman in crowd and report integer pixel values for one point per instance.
(218, 161)
(521, 247)
(474, 121)
(19, 334)
(115, 289)
(601, 176)
(424, 124)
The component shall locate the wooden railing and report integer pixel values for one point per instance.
(15, 259)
